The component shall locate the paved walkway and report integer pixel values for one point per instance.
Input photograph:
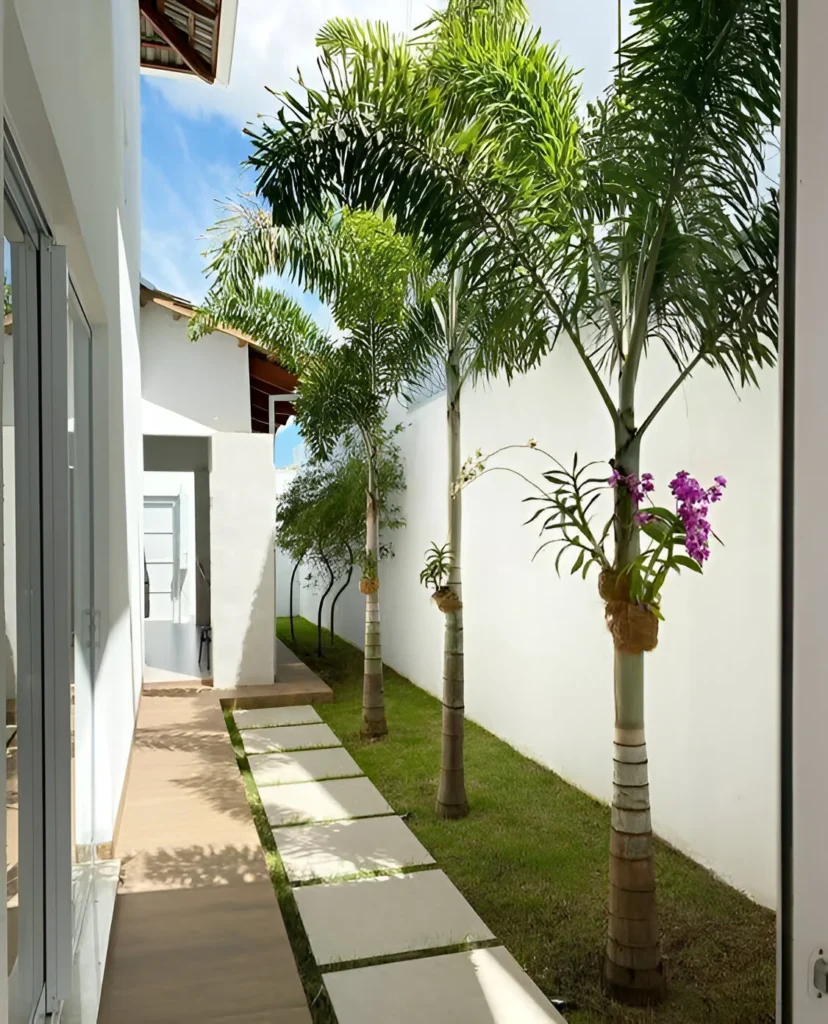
(396, 941)
(197, 933)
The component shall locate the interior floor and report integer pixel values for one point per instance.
(171, 652)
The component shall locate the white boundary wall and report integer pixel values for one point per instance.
(538, 656)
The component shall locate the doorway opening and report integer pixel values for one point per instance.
(176, 578)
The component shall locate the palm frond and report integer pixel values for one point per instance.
(644, 222)
(246, 246)
(272, 319)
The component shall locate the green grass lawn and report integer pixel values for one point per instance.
(532, 859)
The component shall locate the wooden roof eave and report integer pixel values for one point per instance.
(179, 40)
(179, 308)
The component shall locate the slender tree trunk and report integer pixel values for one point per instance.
(451, 795)
(374, 724)
(633, 970)
(322, 602)
(341, 590)
(292, 581)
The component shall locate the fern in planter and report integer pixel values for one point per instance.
(436, 574)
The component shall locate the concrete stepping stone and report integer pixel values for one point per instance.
(481, 986)
(289, 737)
(339, 848)
(386, 915)
(259, 718)
(309, 802)
(302, 766)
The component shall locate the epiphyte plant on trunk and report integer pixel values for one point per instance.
(645, 223)
(435, 574)
(363, 269)
(632, 593)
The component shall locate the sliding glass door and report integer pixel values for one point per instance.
(85, 630)
(22, 599)
(50, 627)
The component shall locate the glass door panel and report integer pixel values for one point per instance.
(162, 557)
(82, 604)
(22, 656)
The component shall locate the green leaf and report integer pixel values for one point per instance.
(658, 531)
(658, 582)
(636, 588)
(686, 562)
(666, 515)
(579, 561)
(532, 518)
(468, 137)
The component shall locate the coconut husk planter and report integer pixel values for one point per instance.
(368, 586)
(634, 628)
(446, 600)
(613, 587)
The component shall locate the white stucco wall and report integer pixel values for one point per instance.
(72, 100)
(242, 514)
(538, 656)
(207, 383)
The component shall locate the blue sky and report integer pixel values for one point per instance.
(192, 134)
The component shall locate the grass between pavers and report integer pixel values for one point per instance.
(309, 972)
(315, 992)
(532, 859)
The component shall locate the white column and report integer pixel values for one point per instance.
(242, 526)
(804, 918)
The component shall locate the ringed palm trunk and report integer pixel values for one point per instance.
(342, 590)
(633, 969)
(326, 560)
(292, 581)
(374, 724)
(451, 794)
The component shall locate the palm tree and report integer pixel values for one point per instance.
(321, 514)
(364, 270)
(459, 329)
(645, 222)
(468, 334)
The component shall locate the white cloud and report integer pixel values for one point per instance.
(175, 223)
(274, 38)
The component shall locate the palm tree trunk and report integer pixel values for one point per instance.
(322, 602)
(292, 581)
(342, 590)
(451, 794)
(633, 969)
(374, 724)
